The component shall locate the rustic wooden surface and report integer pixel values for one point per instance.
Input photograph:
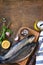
(21, 12)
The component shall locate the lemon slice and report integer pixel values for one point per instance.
(5, 44)
(35, 26)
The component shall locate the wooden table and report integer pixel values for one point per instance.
(21, 13)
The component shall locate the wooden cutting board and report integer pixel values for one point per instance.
(36, 38)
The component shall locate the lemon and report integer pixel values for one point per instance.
(5, 44)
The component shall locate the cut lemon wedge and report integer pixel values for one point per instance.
(5, 44)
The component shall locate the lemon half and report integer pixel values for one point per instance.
(5, 44)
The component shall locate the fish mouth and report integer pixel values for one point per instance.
(31, 38)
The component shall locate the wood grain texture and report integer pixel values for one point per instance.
(21, 13)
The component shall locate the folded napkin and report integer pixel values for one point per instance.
(39, 56)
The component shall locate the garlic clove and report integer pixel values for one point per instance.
(7, 34)
(16, 38)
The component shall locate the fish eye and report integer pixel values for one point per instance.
(40, 25)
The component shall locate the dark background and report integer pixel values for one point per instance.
(21, 12)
